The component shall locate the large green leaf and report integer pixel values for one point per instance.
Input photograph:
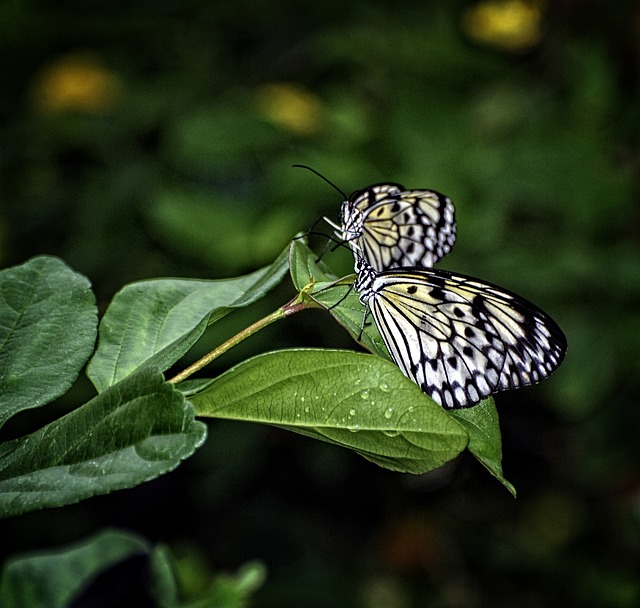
(155, 322)
(351, 399)
(481, 421)
(134, 431)
(48, 322)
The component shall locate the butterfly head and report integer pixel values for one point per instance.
(351, 221)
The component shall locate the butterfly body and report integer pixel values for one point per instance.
(392, 227)
(460, 339)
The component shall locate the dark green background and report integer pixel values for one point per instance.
(178, 171)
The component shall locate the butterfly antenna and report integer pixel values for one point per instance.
(330, 238)
(326, 179)
(313, 230)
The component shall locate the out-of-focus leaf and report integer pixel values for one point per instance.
(103, 566)
(232, 590)
(218, 230)
(118, 569)
(218, 136)
(54, 578)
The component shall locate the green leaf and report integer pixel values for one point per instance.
(304, 266)
(232, 591)
(351, 399)
(339, 299)
(133, 432)
(349, 312)
(156, 322)
(48, 322)
(485, 443)
(116, 566)
(480, 421)
(56, 578)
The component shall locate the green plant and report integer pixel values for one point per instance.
(140, 425)
(115, 568)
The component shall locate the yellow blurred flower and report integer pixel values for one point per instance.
(75, 82)
(291, 107)
(514, 25)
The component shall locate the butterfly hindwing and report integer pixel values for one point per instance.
(391, 227)
(458, 338)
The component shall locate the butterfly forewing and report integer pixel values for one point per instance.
(391, 227)
(458, 338)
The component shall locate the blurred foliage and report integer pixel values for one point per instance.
(91, 573)
(156, 139)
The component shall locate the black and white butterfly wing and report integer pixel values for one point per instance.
(458, 338)
(391, 227)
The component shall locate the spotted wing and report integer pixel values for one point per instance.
(461, 339)
(391, 227)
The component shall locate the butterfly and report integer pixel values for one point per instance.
(391, 227)
(459, 338)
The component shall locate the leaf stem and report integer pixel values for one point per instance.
(296, 305)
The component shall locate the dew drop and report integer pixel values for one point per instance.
(355, 428)
(384, 385)
(388, 413)
(391, 433)
(306, 409)
(365, 394)
(352, 412)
